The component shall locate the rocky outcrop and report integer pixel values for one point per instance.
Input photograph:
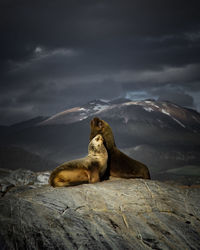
(21, 177)
(114, 214)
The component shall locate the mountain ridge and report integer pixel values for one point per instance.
(176, 113)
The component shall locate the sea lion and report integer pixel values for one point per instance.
(119, 164)
(84, 170)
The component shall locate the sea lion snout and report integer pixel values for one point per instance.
(99, 137)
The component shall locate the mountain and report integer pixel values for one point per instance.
(29, 123)
(160, 114)
(6, 130)
(13, 157)
(77, 114)
(161, 134)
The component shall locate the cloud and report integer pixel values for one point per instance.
(179, 85)
(47, 94)
(93, 25)
(187, 76)
(175, 95)
(165, 93)
(41, 59)
(72, 52)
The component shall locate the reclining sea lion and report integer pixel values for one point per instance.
(84, 170)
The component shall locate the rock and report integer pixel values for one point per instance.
(21, 177)
(42, 178)
(114, 214)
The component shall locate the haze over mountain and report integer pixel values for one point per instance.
(161, 134)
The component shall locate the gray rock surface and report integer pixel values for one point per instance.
(114, 214)
(21, 177)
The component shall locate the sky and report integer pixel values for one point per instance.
(61, 54)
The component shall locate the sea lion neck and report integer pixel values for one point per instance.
(109, 140)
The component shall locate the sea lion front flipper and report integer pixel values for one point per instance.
(93, 176)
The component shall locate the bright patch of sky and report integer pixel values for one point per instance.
(38, 50)
(139, 95)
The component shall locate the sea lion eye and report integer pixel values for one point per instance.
(100, 124)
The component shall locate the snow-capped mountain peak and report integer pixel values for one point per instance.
(77, 113)
(164, 113)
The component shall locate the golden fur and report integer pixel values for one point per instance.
(84, 170)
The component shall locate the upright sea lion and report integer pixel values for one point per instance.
(119, 164)
(84, 170)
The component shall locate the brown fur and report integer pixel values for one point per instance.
(119, 164)
(74, 177)
(84, 170)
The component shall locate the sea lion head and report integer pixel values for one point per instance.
(96, 145)
(98, 126)
(98, 139)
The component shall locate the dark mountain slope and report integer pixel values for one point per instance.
(14, 158)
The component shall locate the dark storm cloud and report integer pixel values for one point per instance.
(56, 54)
(173, 84)
(175, 95)
(95, 25)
